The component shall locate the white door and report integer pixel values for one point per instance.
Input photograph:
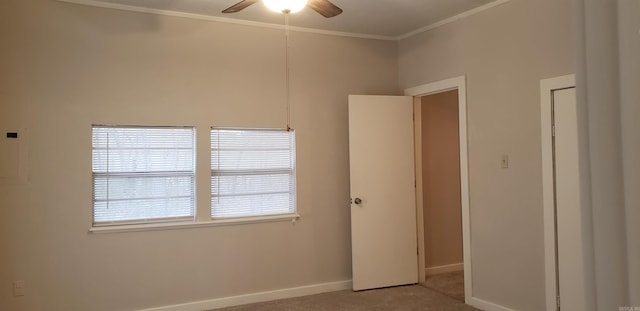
(570, 266)
(383, 209)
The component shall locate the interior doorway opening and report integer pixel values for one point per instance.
(442, 187)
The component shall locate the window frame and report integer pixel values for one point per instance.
(145, 222)
(291, 172)
(196, 221)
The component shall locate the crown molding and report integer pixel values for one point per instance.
(123, 7)
(453, 18)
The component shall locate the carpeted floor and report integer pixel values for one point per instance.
(410, 297)
(450, 284)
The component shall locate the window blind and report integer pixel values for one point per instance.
(143, 174)
(252, 172)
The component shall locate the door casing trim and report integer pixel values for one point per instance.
(547, 86)
(458, 83)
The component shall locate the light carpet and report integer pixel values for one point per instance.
(410, 297)
(450, 284)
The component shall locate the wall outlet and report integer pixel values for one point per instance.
(18, 288)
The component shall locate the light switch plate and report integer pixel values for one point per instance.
(504, 161)
(18, 288)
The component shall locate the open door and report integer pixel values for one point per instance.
(383, 207)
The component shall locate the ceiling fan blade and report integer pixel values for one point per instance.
(239, 6)
(325, 8)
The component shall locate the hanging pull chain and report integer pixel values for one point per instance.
(287, 87)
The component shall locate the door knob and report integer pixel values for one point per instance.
(357, 201)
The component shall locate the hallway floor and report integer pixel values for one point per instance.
(450, 284)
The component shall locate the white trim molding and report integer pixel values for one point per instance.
(256, 297)
(429, 271)
(453, 18)
(131, 8)
(192, 224)
(460, 84)
(547, 86)
(436, 87)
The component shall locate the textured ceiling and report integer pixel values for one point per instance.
(385, 18)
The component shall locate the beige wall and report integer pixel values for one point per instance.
(629, 36)
(599, 111)
(441, 179)
(68, 66)
(64, 67)
(608, 113)
(504, 53)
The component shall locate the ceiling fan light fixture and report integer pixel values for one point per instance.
(285, 6)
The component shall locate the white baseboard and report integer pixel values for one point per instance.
(444, 269)
(257, 297)
(485, 305)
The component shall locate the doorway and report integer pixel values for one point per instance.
(387, 214)
(442, 187)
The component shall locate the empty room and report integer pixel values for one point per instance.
(203, 154)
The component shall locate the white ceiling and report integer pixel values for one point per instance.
(377, 18)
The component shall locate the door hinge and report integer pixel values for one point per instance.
(417, 251)
(553, 130)
(558, 302)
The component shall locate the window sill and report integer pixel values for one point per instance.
(195, 224)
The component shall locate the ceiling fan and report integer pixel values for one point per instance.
(324, 7)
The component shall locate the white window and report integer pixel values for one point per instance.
(143, 174)
(252, 172)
